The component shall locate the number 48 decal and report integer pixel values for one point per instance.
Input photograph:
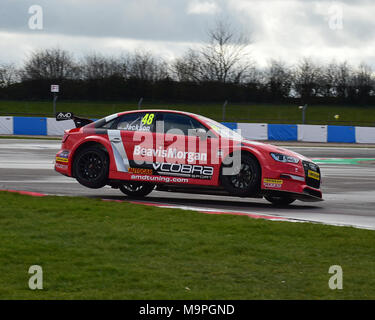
(148, 118)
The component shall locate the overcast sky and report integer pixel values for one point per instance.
(279, 29)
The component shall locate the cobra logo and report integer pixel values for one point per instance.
(183, 168)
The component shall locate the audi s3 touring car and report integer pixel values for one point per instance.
(145, 150)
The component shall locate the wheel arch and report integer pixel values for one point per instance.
(246, 152)
(254, 155)
(87, 144)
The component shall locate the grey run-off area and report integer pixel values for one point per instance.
(348, 190)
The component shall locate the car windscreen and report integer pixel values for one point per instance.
(221, 129)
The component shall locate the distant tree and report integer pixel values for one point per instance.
(343, 75)
(146, 67)
(306, 79)
(362, 83)
(278, 78)
(220, 69)
(46, 64)
(8, 74)
(335, 80)
(224, 58)
(188, 68)
(329, 82)
(97, 66)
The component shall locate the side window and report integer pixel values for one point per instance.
(182, 122)
(197, 125)
(109, 124)
(138, 121)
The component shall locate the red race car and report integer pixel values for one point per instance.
(139, 151)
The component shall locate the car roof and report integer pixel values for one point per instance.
(195, 116)
(158, 110)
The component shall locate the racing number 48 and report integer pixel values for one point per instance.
(148, 118)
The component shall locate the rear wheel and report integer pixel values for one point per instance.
(91, 167)
(137, 189)
(280, 201)
(246, 179)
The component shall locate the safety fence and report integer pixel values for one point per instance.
(255, 131)
(306, 133)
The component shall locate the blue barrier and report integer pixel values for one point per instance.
(30, 126)
(282, 132)
(341, 134)
(230, 125)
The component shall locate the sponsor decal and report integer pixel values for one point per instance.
(158, 179)
(184, 170)
(313, 175)
(171, 153)
(61, 166)
(64, 154)
(140, 171)
(136, 127)
(272, 183)
(60, 116)
(59, 159)
(63, 157)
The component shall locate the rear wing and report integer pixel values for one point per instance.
(79, 122)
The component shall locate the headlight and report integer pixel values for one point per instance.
(284, 158)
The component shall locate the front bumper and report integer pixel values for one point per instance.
(301, 181)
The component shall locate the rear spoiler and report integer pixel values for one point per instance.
(79, 122)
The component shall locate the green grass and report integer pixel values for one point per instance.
(91, 249)
(268, 113)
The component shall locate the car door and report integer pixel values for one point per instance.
(182, 152)
(129, 137)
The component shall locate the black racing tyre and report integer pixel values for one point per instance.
(280, 200)
(246, 179)
(91, 167)
(137, 189)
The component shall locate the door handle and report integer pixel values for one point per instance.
(116, 140)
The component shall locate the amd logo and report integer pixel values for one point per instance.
(60, 116)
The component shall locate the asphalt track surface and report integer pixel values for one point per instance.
(348, 190)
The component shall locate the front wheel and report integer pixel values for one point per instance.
(280, 201)
(136, 189)
(245, 179)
